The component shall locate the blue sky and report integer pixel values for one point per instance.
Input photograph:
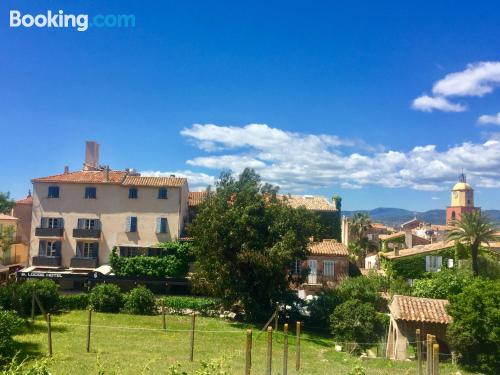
(328, 88)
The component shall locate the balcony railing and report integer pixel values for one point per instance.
(49, 232)
(86, 233)
(81, 262)
(46, 261)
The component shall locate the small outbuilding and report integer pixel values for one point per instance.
(407, 314)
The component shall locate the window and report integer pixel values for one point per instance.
(89, 224)
(52, 222)
(450, 263)
(132, 193)
(49, 248)
(130, 251)
(296, 266)
(53, 192)
(87, 249)
(90, 193)
(453, 216)
(328, 267)
(162, 193)
(433, 263)
(161, 225)
(131, 224)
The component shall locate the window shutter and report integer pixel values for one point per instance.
(128, 224)
(427, 263)
(41, 251)
(61, 222)
(81, 223)
(78, 249)
(164, 225)
(439, 262)
(158, 225)
(43, 222)
(95, 250)
(133, 224)
(58, 249)
(333, 268)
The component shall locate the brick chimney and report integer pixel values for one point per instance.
(408, 239)
(91, 156)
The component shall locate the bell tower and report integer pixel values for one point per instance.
(462, 200)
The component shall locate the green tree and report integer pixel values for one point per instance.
(472, 230)
(443, 284)
(475, 330)
(245, 241)
(6, 238)
(356, 324)
(6, 203)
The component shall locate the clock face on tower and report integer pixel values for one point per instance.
(455, 194)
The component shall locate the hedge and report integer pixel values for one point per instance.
(74, 301)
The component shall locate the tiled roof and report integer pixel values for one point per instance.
(386, 237)
(154, 181)
(113, 177)
(328, 247)
(196, 197)
(7, 217)
(310, 202)
(436, 246)
(27, 200)
(415, 309)
(85, 177)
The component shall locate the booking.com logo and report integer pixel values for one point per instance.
(80, 22)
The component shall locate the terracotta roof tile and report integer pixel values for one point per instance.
(27, 200)
(85, 177)
(417, 309)
(420, 249)
(393, 236)
(196, 197)
(154, 181)
(310, 202)
(328, 247)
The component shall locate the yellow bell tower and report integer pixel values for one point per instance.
(462, 200)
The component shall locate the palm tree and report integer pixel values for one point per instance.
(473, 230)
(360, 224)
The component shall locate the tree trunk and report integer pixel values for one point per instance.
(475, 267)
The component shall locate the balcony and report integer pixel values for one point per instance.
(81, 262)
(87, 233)
(46, 261)
(49, 232)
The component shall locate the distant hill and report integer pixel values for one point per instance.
(397, 216)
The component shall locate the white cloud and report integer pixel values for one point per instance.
(489, 119)
(435, 198)
(428, 104)
(477, 79)
(196, 180)
(297, 161)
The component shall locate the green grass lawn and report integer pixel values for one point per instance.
(121, 349)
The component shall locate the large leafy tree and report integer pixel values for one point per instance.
(475, 330)
(245, 241)
(472, 230)
(6, 203)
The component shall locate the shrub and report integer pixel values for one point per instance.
(17, 296)
(74, 301)
(356, 324)
(10, 323)
(140, 301)
(322, 307)
(475, 331)
(363, 289)
(199, 304)
(106, 298)
(443, 284)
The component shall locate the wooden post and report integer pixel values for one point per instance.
(297, 347)
(89, 324)
(163, 315)
(248, 352)
(276, 317)
(435, 359)
(191, 341)
(33, 305)
(269, 350)
(428, 354)
(285, 349)
(49, 335)
(419, 351)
